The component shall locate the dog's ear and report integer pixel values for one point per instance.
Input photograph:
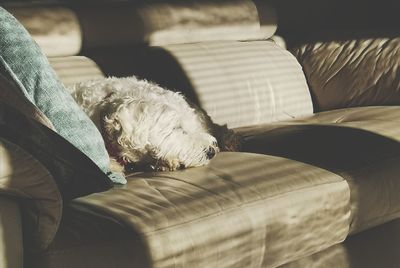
(228, 140)
(109, 121)
(115, 123)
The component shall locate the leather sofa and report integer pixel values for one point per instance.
(317, 182)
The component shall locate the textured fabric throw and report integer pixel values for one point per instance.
(22, 61)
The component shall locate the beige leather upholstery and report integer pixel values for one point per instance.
(360, 144)
(11, 245)
(237, 83)
(75, 69)
(63, 31)
(378, 247)
(55, 29)
(172, 22)
(226, 215)
(20, 170)
(245, 83)
(352, 73)
(89, 239)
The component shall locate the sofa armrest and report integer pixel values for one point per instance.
(11, 247)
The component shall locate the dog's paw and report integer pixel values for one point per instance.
(115, 166)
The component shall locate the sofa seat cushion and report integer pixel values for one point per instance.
(360, 144)
(240, 210)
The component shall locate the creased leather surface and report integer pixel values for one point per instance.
(360, 144)
(227, 215)
(352, 73)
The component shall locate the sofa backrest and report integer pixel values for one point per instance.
(352, 73)
(219, 54)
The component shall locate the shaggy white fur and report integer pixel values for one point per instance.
(146, 126)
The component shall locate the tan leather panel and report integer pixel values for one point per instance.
(87, 239)
(75, 69)
(173, 22)
(352, 73)
(237, 83)
(245, 83)
(360, 144)
(21, 175)
(11, 244)
(380, 120)
(378, 247)
(203, 21)
(226, 215)
(55, 29)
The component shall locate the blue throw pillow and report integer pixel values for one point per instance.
(23, 63)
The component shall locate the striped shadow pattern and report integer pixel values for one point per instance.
(360, 144)
(245, 83)
(75, 69)
(226, 215)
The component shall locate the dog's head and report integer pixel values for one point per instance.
(149, 134)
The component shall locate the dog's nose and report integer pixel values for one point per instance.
(210, 152)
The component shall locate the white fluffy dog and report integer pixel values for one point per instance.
(146, 127)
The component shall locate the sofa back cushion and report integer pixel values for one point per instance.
(56, 29)
(170, 22)
(239, 83)
(352, 73)
(244, 83)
